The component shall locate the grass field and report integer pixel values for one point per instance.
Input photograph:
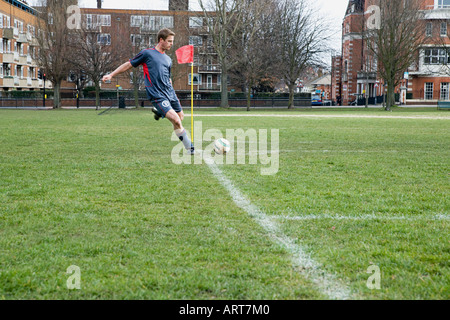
(102, 193)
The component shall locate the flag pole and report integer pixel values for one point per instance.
(192, 101)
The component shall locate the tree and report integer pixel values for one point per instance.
(254, 48)
(302, 38)
(54, 43)
(224, 21)
(395, 32)
(93, 55)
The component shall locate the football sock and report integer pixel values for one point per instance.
(182, 135)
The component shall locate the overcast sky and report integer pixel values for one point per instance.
(333, 10)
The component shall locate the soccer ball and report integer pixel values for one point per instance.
(221, 146)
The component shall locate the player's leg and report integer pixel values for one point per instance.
(181, 115)
(176, 105)
(181, 133)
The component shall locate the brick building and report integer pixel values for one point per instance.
(139, 29)
(18, 47)
(427, 80)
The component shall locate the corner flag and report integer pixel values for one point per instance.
(186, 55)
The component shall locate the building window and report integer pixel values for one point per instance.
(152, 22)
(195, 22)
(436, 56)
(6, 70)
(104, 20)
(136, 40)
(443, 4)
(104, 39)
(429, 29)
(196, 41)
(443, 29)
(429, 91)
(444, 91)
(136, 21)
(197, 79)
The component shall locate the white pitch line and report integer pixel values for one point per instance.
(362, 217)
(321, 116)
(327, 283)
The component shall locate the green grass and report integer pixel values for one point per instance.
(101, 193)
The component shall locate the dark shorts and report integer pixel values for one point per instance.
(164, 106)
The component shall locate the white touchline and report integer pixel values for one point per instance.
(327, 283)
(323, 116)
(362, 217)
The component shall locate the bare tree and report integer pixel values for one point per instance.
(395, 33)
(224, 21)
(93, 55)
(53, 38)
(303, 38)
(254, 49)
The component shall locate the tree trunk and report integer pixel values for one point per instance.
(249, 96)
(224, 93)
(136, 96)
(291, 96)
(97, 95)
(390, 96)
(57, 95)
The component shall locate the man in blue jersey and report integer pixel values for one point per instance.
(157, 71)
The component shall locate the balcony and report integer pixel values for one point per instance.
(209, 87)
(10, 33)
(16, 56)
(210, 68)
(8, 82)
(362, 75)
(29, 60)
(8, 57)
(208, 50)
(16, 81)
(32, 42)
(203, 30)
(23, 37)
(437, 12)
(23, 82)
(23, 60)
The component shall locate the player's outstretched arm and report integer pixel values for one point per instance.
(124, 67)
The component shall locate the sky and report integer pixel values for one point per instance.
(332, 10)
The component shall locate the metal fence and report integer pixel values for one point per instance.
(107, 103)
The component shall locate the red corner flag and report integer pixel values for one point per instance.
(185, 54)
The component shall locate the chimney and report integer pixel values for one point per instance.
(99, 4)
(179, 5)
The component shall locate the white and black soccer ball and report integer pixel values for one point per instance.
(222, 146)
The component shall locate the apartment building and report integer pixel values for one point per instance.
(138, 29)
(427, 80)
(18, 47)
(429, 77)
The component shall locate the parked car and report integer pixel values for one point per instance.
(316, 100)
